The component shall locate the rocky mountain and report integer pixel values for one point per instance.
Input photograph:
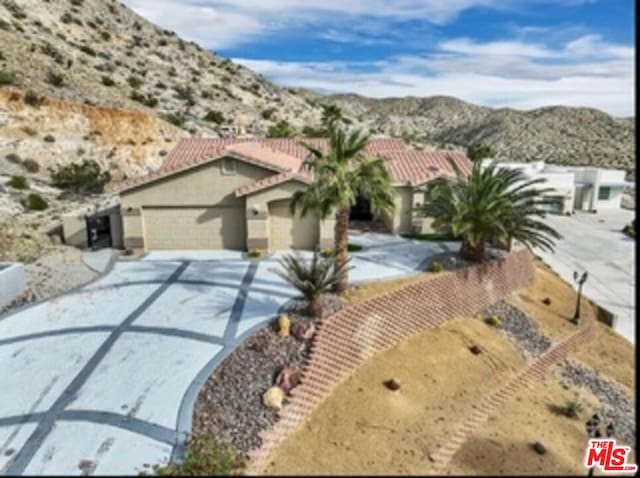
(558, 134)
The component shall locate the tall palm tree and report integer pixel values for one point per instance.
(332, 116)
(342, 174)
(491, 204)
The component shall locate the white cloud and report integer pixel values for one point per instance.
(494, 74)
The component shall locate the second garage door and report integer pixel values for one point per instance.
(289, 232)
(195, 228)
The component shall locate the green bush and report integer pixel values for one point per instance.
(7, 78)
(494, 321)
(55, 79)
(147, 100)
(108, 81)
(87, 50)
(268, 113)
(215, 117)
(134, 82)
(19, 182)
(436, 266)
(35, 202)
(176, 119)
(84, 177)
(282, 129)
(33, 99)
(31, 165)
(573, 408)
(204, 458)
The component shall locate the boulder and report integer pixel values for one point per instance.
(284, 325)
(273, 398)
(303, 330)
(539, 448)
(287, 379)
(392, 384)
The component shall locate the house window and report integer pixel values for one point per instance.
(228, 166)
(604, 193)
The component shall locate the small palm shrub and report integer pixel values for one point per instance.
(204, 458)
(573, 408)
(494, 321)
(84, 177)
(436, 266)
(312, 278)
(19, 182)
(35, 202)
(328, 252)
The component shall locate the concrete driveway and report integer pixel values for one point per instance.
(102, 380)
(594, 243)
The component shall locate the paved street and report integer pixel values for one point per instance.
(103, 380)
(594, 243)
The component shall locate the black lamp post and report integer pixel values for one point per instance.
(580, 280)
(593, 430)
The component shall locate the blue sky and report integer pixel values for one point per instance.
(503, 53)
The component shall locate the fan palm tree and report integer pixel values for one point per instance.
(332, 116)
(342, 174)
(491, 204)
(311, 278)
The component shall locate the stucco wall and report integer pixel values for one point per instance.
(12, 282)
(400, 220)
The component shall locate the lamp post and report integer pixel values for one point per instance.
(580, 280)
(593, 430)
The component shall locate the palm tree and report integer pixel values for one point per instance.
(331, 116)
(491, 204)
(311, 278)
(341, 174)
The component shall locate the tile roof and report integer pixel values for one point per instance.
(272, 181)
(286, 155)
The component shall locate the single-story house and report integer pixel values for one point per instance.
(234, 193)
(584, 188)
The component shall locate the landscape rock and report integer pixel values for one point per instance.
(540, 448)
(392, 384)
(284, 326)
(303, 329)
(287, 379)
(273, 397)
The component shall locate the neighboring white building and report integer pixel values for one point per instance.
(575, 187)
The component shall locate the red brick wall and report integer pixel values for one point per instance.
(348, 338)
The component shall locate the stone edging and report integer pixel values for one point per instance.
(460, 432)
(347, 339)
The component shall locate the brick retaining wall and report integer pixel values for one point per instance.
(348, 338)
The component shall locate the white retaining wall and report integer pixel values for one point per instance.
(12, 282)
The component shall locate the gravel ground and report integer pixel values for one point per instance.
(56, 272)
(229, 405)
(618, 407)
(520, 328)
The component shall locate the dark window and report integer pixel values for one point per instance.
(228, 166)
(604, 193)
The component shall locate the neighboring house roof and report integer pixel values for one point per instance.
(285, 157)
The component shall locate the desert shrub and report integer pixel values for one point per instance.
(436, 266)
(7, 78)
(282, 129)
(147, 100)
(176, 119)
(18, 182)
(84, 177)
(494, 321)
(163, 42)
(106, 36)
(66, 17)
(55, 79)
(108, 81)
(49, 50)
(35, 202)
(32, 98)
(214, 116)
(161, 86)
(573, 408)
(630, 229)
(49, 139)
(315, 132)
(13, 158)
(185, 93)
(87, 50)
(134, 82)
(267, 113)
(31, 165)
(204, 457)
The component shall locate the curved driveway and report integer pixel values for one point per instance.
(103, 379)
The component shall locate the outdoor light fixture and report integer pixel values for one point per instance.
(580, 280)
(593, 430)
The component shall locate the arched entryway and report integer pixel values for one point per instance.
(361, 210)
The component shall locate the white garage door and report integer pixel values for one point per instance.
(289, 232)
(195, 228)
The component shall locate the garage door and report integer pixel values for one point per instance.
(289, 232)
(195, 228)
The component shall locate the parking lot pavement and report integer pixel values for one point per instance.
(595, 243)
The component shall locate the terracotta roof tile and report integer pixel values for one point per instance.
(271, 181)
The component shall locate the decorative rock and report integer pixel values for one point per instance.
(303, 329)
(546, 301)
(273, 397)
(475, 349)
(392, 384)
(287, 379)
(539, 448)
(284, 325)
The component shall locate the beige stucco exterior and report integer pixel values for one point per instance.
(198, 209)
